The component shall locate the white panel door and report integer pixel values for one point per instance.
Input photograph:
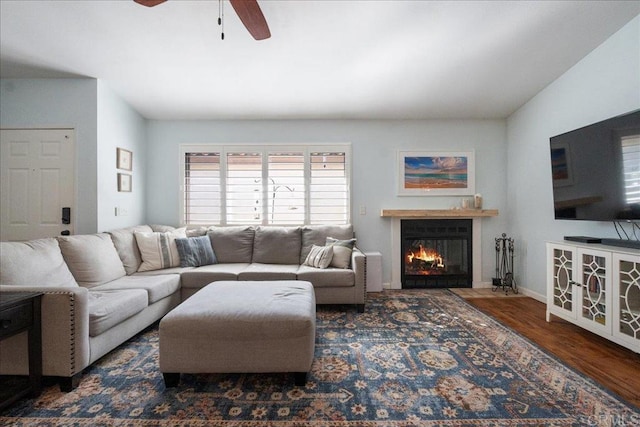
(37, 168)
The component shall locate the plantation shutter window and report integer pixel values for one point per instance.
(328, 192)
(244, 188)
(286, 189)
(265, 184)
(202, 188)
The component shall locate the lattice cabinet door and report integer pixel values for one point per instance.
(626, 304)
(561, 268)
(594, 290)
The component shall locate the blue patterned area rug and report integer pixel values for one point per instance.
(415, 358)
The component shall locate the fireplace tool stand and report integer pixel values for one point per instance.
(504, 279)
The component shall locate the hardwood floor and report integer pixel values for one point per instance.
(613, 366)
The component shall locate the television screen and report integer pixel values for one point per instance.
(596, 171)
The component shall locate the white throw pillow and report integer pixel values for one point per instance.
(319, 256)
(341, 251)
(159, 250)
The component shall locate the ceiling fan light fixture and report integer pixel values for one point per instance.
(248, 11)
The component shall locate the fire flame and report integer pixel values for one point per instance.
(426, 255)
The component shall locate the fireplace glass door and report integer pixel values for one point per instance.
(436, 253)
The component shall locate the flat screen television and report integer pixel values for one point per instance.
(596, 171)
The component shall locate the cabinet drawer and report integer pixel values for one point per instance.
(15, 318)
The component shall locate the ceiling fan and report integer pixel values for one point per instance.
(248, 11)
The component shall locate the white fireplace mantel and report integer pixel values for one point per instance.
(475, 215)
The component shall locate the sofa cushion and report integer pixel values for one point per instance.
(269, 272)
(232, 244)
(127, 247)
(317, 235)
(34, 263)
(92, 258)
(328, 277)
(195, 251)
(157, 287)
(202, 276)
(159, 228)
(277, 245)
(341, 252)
(171, 270)
(319, 256)
(158, 250)
(109, 308)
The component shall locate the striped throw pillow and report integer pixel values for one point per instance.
(159, 250)
(319, 256)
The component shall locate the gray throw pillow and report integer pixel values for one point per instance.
(196, 251)
(341, 251)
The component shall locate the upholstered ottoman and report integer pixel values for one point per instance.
(241, 326)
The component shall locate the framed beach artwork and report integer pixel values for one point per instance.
(561, 165)
(442, 173)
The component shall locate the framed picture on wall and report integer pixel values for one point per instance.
(439, 173)
(124, 159)
(124, 183)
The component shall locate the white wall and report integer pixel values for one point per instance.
(60, 103)
(604, 84)
(374, 147)
(119, 125)
(102, 121)
(518, 183)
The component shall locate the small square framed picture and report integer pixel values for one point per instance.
(124, 183)
(124, 159)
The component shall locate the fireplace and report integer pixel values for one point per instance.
(436, 253)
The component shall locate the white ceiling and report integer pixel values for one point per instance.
(325, 59)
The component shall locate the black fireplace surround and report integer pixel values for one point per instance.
(436, 253)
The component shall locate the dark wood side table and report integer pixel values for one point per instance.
(19, 312)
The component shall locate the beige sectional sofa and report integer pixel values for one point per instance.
(278, 253)
(95, 297)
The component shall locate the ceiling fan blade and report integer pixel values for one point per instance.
(252, 18)
(149, 3)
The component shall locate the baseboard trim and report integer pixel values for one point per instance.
(481, 285)
(485, 285)
(535, 295)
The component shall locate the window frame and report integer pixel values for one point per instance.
(264, 149)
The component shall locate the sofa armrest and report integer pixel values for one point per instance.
(65, 333)
(359, 266)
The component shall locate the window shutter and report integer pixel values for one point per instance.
(631, 168)
(292, 184)
(329, 192)
(202, 188)
(285, 189)
(244, 188)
